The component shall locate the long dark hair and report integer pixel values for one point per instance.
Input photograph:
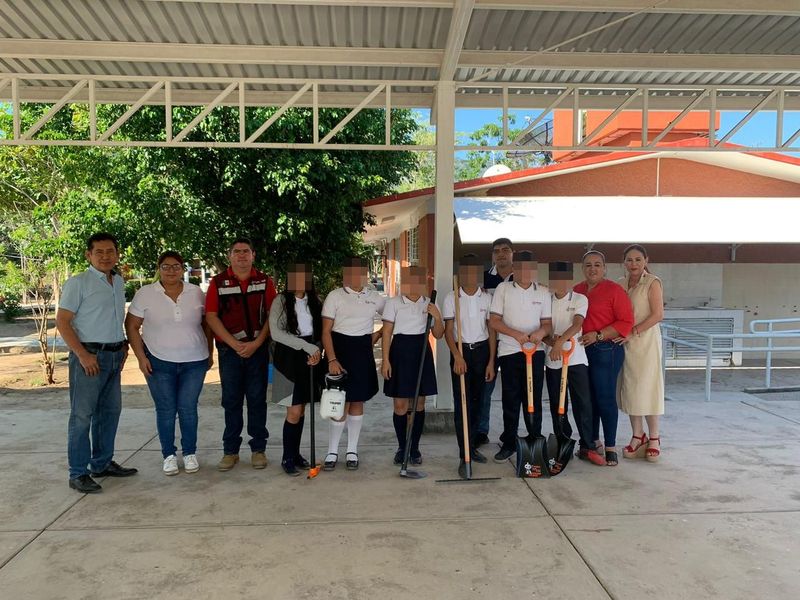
(314, 306)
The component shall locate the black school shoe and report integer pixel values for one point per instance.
(301, 463)
(115, 470)
(462, 470)
(398, 456)
(85, 485)
(504, 455)
(416, 457)
(352, 463)
(478, 457)
(330, 465)
(289, 467)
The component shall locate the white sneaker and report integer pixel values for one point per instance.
(190, 463)
(171, 465)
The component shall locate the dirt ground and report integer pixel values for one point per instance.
(22, 377)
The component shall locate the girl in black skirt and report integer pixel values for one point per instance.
(348, 335)
(295, 323)
(404, 320)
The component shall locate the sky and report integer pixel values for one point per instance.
(760, 131)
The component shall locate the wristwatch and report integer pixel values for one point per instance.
(600, 336)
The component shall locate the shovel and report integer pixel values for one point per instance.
(464, 416)
(560, 446)
(404, 472)
(532, 459)
(315, 468)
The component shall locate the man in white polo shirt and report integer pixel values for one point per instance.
(479, 349)
(520, 313)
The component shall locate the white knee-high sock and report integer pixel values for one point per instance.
(353, 431)
(337, 427)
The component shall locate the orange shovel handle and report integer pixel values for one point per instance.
(562, 392)
(529, 349)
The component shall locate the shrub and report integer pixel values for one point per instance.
(9, 304)
(132, 286)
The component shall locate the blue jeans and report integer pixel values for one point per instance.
(605, 363)
(240, 378)
(175, 388)
(95, 405)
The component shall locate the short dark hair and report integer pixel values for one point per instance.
(503, 241)
(101, 236)
(241, 240)
(170, 254)
(524, 256)
(356, 261)
(470, 260)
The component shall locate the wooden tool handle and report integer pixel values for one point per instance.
(461, 381)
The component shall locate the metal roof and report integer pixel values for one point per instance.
(624, 42)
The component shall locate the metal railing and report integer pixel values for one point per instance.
(769, 323)
(706, 344)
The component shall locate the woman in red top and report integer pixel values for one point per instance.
(610, 316)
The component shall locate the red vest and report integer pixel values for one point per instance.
(242, 314)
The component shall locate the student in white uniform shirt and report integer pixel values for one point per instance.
(520, 313)
(295, 324)
(479, 344)
(569, 309)
(348, 336)
(404, 321)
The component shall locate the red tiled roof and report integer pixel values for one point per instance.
(569, 165)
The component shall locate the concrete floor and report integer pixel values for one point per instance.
(719, 517)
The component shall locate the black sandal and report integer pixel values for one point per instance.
(330, 465)
(352, 465)
(612, 460)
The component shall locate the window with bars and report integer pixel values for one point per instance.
(413, 246)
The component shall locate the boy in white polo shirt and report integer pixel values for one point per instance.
(479, 345)
(568, 311)
(520, 313)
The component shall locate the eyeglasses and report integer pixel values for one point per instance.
(171, 267)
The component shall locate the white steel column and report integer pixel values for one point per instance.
(443, 257)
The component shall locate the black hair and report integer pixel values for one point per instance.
(524, 256)
(503, 241)
(314, 306)
(470, 260)
(561, 266)
(101, 236)
(356, 261)
(170, 254)
(241, 240)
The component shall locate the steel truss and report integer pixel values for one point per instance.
(284, 94)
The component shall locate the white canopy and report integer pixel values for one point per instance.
(618, 219)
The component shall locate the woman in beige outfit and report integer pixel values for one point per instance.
(640, 388)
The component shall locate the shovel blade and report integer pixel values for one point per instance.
(410, 474)
(313, 472)
(532, 461)
(566, 449)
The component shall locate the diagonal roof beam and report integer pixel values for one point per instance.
(459, 23)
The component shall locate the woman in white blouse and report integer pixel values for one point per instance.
(174, 353)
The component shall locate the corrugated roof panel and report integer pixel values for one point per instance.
(648, 32)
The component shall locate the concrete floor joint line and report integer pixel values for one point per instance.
(571, 542)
